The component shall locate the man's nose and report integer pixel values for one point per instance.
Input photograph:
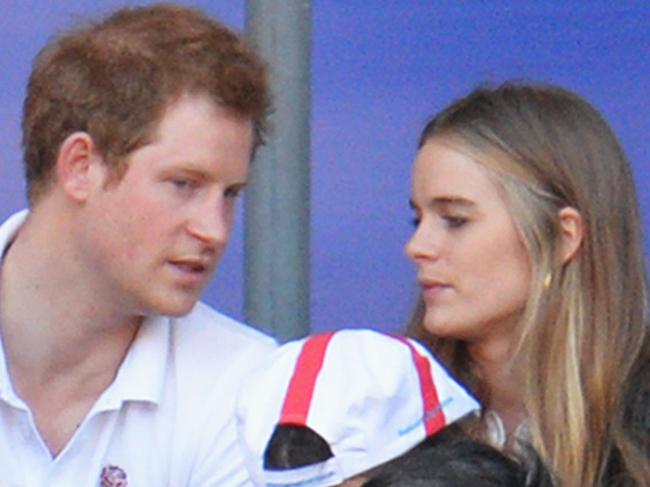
(211, 223)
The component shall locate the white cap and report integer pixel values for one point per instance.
(371, 396)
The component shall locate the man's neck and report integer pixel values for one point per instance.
(49, 305)
(60, 339)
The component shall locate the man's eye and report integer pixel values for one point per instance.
(181, 183)
(233, 193)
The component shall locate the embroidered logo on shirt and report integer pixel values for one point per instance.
(113, 476)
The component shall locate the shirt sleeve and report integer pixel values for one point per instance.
(221, 464)
(219, 460)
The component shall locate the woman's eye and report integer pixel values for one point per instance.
(415, 221)
(455, 221)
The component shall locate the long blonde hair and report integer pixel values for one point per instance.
(581, 334)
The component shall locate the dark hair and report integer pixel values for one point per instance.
(451, 459)
(635, 422)
(114, 79)
(293, 446)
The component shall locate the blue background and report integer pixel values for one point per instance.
(379, 70)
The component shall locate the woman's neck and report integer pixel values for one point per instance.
(502, 382)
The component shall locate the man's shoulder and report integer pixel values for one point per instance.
(208, 339)
(205, 322)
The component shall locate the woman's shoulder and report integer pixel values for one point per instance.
(635, 440)
(636, 401)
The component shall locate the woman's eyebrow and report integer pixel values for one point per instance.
(446, 202)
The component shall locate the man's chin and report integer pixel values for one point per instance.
(180, 311)
(175, 308)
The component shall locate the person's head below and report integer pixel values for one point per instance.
(329, 409)
(453, 459)
(138, 132)
(449, 458)
(528, 245)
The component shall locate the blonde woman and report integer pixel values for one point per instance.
(529, 254)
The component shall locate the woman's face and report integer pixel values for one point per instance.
(472, 266)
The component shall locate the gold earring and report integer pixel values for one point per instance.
(548, 279)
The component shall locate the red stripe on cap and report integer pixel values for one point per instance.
(301, 387)
(433, 417)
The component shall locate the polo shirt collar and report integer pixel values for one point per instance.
(7, 392)
(10, 227)
(7, 232)
(141, 377)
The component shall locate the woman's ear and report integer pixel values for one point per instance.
(76, 166)
(571, 233)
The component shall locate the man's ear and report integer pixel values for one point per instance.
(571, 233)
(78, 166)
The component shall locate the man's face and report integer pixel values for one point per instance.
(155, 238)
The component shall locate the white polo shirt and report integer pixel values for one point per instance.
(166, 420)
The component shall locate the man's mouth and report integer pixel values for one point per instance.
(193, 270)
(190, 266)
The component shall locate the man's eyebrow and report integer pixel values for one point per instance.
(191, 170)
(185, 168)
(198, 173)
(239, 185)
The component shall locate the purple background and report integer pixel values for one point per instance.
(379, 70)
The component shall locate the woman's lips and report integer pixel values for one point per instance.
(432, 290)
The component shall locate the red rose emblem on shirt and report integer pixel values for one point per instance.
(113, 476)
